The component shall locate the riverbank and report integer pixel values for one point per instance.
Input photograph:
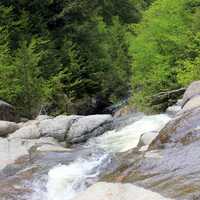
(159, 153)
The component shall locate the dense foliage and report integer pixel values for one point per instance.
(80, 56)
(166, 48)
(65, 56)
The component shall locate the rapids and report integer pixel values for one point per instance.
(63, 175)
(66, 181)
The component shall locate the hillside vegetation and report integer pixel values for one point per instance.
(166, 48)
(80, 56)
(65, 56)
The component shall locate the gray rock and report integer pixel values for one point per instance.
(51, 148)
(7, 128)
(27, 132)
(13, 148)
(118, 191)
(43, 117)
(192, 91)
(89, 126)
(57, 127)
(192, 103)
(147, 138)
(183, 129)
(30, 122)
(7, 112)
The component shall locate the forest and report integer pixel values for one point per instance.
(80, 56)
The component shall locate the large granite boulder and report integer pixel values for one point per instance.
(70, 129)
(89, 126)
(118, 191)
(185, 127)
(30, 129)
(13, 148)
(43, 117)
(27, 132)
(194, 102)
(7, 112)
(7, 128)
(57, 127)
(192, 91)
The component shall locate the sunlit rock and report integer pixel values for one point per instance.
(89, 126)
(192, 91)
(57, 127)
(7, 128)
(26, 132)
(118, 191)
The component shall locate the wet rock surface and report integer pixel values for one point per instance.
(19, 181)
(183, 129)
(171, 165)
(27, 178)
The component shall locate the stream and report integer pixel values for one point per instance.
(63, 175)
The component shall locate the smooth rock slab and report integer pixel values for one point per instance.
(192, 103)
(118, 191)
(43, 117)
(57, 127)
(147, 138)
(192, 91)
(183, 129)
(13, 148)
(89, 126)
(26, 132)
(7, 127)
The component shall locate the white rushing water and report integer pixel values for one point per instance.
(128, 137)
(65, 181)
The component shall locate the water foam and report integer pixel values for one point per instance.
(128, 137)
(65, 181)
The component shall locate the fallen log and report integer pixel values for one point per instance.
(163, 100)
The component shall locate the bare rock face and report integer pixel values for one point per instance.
(7, 112)
(185, 127)
(43, 117)
(192, 91)
(89, 126)
(71, 129)
(13, 148)
(194, 102)
(118, 191)
(57, 127)
(7, 128)
(27, 132)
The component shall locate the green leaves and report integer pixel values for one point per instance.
(163, 47)
(62, 53)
